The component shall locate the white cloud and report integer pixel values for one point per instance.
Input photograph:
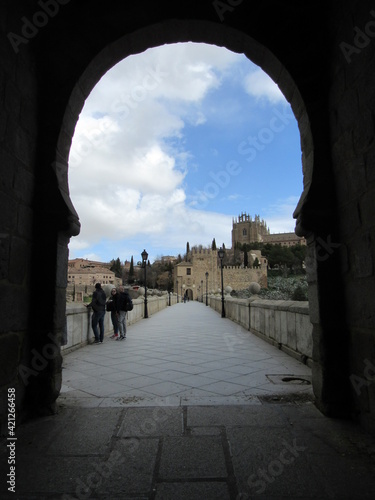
(125, 178)
(129, 163)
(260, 85)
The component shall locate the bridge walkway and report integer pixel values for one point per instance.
(189, 406)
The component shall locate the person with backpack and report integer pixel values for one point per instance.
(98, 306)
(111, 306)
(123, 305)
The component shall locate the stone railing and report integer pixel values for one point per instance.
(78, 319)
(285, 324)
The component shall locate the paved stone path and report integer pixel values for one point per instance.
(184, 355)
(189, 407)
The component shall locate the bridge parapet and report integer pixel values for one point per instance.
(283, 323)
(78, 319)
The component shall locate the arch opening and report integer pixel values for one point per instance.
(265, 133)
(221, 36)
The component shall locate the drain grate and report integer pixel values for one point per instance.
(290, 379)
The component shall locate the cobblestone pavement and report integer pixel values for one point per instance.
(189, 406)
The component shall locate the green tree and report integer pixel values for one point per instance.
(116, 267)
(213, 246)
(299, 252)
(131, 275)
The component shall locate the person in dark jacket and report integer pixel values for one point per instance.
(98, 306)
(122, 300)
(111, 306)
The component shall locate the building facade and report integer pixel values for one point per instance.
(85, 272)
(246, 230)
(190, 276)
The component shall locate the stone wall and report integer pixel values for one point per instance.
(240, 278)
(351, 248)
(284, 324)
(19, 128)
(323, 62)
(206, 260)
(78, 319)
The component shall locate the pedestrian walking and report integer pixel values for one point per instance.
(98, 306)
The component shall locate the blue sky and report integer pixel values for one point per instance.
(173, 143)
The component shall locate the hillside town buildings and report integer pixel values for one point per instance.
(87, 273)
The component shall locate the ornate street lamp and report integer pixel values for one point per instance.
(206, 288)
(202, 289)
(144, 264)
(221, 254)
(177, 289)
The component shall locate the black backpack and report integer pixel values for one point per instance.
(126, 302)
(129, 304)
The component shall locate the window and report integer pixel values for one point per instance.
(188, 271)
(244, 232)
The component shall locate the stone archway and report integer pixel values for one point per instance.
(164, 33)
(66, 65)
(233, 40)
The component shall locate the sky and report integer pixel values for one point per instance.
(171, 145)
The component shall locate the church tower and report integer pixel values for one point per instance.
(246, 230)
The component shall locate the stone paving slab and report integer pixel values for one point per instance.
(153, 421)
(114, 441)
(195, 457)
(236, 452)
(193, 491)
(131, 469)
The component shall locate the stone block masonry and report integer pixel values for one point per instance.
(283, 323)
(240, 278)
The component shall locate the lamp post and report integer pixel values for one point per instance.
(202, 289)
(206, 288)
(177, 289)
(144, 263)
(221, 256)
